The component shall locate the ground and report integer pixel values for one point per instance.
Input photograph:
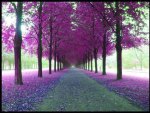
(71, 90)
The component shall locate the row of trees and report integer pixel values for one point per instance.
(72, 33)
(101, 21)
(28, 61)
(45, 22)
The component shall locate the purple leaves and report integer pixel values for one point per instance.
(23, 98)
(87, 32)
(133, 88)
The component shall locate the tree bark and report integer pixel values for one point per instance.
(85, 64)
(57, 63)
(17, 45)
(55, 58)
(60, 64)
(95, 58)
(91, 63)
(50, 59)
(104, 55)
(40, 42)
(50, 48)
(88, 60)
(118, 44)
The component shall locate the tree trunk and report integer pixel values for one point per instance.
(17, 45)
(104, 55)
(54, 64)
(50, 71)
(60, 65)
(50, 59)
(57, 63)
(39, 61)
(55, 58)
(119, 62)
(40, 42)
(50, 49)
(85, 64)
(88, 60)
(91, 63)
(95, 58)
(118, 44)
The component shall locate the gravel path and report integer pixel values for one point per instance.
(77, 92)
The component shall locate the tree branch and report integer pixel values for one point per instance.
(102, 16)
(14, 5)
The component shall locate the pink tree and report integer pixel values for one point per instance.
(17, 9)
(58, 17)
(14, 34)
(93, 26)
(115, 19)
(73, 36)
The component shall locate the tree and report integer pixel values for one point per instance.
(117, 14)
(17, 44)
(73, 35)
(39, 41)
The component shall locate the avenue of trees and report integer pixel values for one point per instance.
(73, 33)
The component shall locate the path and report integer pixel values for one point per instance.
(77, 92)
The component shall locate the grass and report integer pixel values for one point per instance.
(77, 92)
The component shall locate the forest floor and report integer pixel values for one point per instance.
(70, 90)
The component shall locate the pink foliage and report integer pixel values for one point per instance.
(23, 97)
(73, 29)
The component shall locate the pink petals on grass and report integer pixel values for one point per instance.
(133, 88)
(24, 97)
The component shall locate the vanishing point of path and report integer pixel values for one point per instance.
(77, 92)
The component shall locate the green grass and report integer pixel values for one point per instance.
(77, 92)
(3, 107)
